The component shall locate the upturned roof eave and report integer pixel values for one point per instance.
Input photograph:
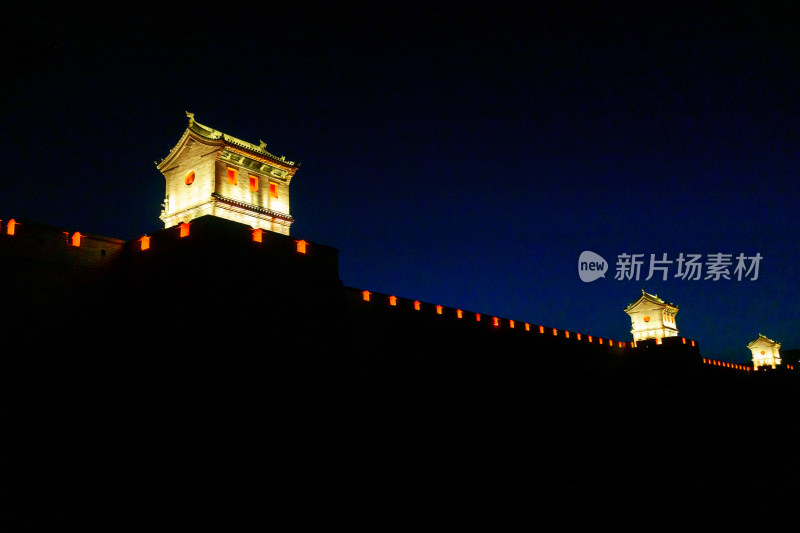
(764, 339)
(229, 140)
(652, 298)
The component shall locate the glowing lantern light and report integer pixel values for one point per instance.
(76, 239)
(621, 344)
(145, 242)
(12, 227)
(684, 340)
(527, 327)
(692, 343)
(566, 334)
(438, 309)
(590, 338)
(365, 295)
(578, 336)
(416, 305)
(541, 329)
(600, 340)
(511, 324)
(392, 300)
(189, 179)
(477, 317)
(658, 340)
(496, 321)
(184, 229)
(555, 331)
(301, 246)
(459, 313)
(258, 234)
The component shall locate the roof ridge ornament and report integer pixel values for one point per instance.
(191, 117)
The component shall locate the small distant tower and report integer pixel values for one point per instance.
(211, 173)
(652, 318)
(766, 352)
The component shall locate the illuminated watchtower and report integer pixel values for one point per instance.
(652, 318)
(765, 352)
(211, 173)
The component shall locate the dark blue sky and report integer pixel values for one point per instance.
(462, 156)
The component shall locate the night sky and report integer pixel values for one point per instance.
(463, 156)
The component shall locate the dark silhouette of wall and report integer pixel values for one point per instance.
(215, 382)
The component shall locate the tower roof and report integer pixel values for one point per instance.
(763, 340)
(651, 298)
(255, 151)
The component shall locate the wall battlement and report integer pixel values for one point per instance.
(52, 263)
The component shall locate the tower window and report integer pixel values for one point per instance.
(253, 183)
(189, 179)
(273, 189)
(232, 172)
